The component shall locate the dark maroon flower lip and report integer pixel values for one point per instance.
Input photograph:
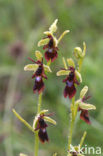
(38, 85)
(84, 115)
(70, 80)
(41, 126)
(38, 75)
(51, 52)
(43, 135)
(51, 55)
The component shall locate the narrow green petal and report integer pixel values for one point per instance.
(64, 63)
(63, 34)
(78, 75)
(84, 49)
(43, 111)
(83, 92)
(43, 42)
(71, 62)
(31, 67)
(35, 121)
(46, 68)
(63, 72)
(48, 119)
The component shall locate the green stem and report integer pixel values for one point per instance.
(80, 65)
(71, 123)
(36, 145)
(82, 139)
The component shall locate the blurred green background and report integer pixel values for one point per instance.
(22, 23)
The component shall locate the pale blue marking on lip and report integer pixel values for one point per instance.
(38, 78)
(50, 50)
(69, 84)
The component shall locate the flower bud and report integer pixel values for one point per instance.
(78, 52)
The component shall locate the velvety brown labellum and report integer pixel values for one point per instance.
(39, 85)
(43, 136)
(84, 115)
(51, 53)
(70, 80)
(41, 124)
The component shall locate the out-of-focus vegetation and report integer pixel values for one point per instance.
(21, 25)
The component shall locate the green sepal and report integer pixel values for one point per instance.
(48, 119)
(85, 106)
(83, 92)
(53, 27)
(31, 67)
(63, 72)
(43, 42)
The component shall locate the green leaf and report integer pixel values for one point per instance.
(48, 119)
(53, 27)
(83, 92)
(38, 55)
(71, 62)
(43, 42)
(78, 75)
(63, 72)
(31, 67)
(46, 68)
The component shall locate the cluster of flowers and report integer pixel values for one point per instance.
(50, 45)
(72, 79)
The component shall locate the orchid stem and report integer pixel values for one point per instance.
(82, 139)
(71, 123)
(36, 145)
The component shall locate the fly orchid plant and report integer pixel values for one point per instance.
(73, 78)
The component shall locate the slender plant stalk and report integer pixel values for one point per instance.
(36, 145)
(71, 123)
(73, 116)
(82, 139)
